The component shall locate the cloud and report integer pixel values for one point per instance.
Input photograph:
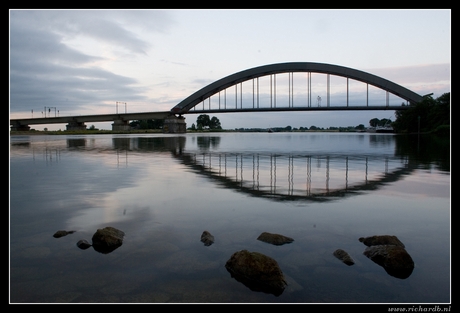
(44, 72)
(423, 79)
(47, 68)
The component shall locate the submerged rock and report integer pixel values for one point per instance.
(62, 233)
(207, 238)
(83, 244)
(257, 271)
(381, 240)
(274, 239)
(343, 256)
(107, 239)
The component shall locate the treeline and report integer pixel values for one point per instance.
(429, 115)
(360, 127)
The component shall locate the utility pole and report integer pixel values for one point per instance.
(49, 111)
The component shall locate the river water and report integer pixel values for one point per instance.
(324, 190)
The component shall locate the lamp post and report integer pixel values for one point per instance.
(119, 102)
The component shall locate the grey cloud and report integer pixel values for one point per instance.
(68, 87)
(113, 34)
(28, 47)
(46, 72)
(116, 27)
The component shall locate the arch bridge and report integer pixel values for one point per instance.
(272, 70)
(175, 122)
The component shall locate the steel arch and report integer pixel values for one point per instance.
(185, 105)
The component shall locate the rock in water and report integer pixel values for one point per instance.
(381, 240)
(390, 253)
(83, 244)
(107, 239)
(274, 239)
(343, 256)
(257, 271)
(394, 259)
(207, 238)
(62, 233)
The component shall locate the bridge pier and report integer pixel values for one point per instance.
(20, 127)
(174, 124)
(76, 126)
(120, 125)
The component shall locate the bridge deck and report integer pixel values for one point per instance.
(91, 118)
(164, 114)
(284, 109)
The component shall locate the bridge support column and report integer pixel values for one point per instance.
(120, 125)
(174, 124)
(76, 126)
(20, 127)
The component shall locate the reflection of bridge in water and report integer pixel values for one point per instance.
(277, 176)
(297, 177)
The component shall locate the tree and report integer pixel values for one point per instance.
(203, 121)
(374, 122)
(425, 116)
(384, 121)
(214, 123)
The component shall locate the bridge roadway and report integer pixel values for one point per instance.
(78, 121)
(121, 120)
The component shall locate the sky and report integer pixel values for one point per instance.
(82, 62)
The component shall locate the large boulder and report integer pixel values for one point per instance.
(390, 253)
(257, 271)
(274, 239)
(394, 259)
(107, 239)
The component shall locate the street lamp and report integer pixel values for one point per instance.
(119, 102)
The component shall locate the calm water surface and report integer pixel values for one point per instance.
(325, 190)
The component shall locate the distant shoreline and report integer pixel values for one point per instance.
(158, 131)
